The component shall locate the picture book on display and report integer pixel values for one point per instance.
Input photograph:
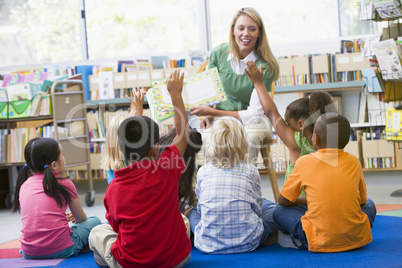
(201, 89)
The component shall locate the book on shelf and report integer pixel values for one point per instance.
(393, 127)
(201, 89)
(362, 108)
(122, 63)
(373, 81)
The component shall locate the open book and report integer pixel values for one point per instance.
(201, 89)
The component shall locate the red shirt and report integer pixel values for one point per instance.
(142, 207)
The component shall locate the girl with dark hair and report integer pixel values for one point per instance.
(296, 130)
(187, 198)
(42, 197)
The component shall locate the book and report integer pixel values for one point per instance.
(201, 89)
(388, 57)
(372, 81)
(387, 9)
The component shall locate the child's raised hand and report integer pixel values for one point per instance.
(174, 83)
(70, 217)
(136, 103)
(254, 74)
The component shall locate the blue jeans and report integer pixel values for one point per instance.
(267, 218)
(79, 236)
(288, 220)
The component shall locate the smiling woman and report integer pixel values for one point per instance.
(247, 42)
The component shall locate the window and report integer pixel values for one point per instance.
(129, 28)
(285, 21)
(350, 20)
(37, 31)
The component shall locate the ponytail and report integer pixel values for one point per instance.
(53, 188)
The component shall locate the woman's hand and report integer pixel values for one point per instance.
(254, 74)
(206, 122)
(137, 103)
(201, 111)
(70, 217)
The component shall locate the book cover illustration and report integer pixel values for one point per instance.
(389, 59)
(201, 89)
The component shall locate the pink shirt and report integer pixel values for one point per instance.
(45, 227)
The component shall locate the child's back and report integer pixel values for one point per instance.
(339, 215)
(231, 215)
(230, 205)
(44, 224)
(335, 189)
(142, 203)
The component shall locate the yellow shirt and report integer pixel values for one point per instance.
(335, 188)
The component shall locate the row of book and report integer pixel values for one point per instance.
(13, 141)
(324, 68)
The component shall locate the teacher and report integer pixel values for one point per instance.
(247, 42)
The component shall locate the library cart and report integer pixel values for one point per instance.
(71, 128)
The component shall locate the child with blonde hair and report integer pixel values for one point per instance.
(113, 158)
(231, 215)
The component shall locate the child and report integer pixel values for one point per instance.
(187, 199)
(339, 215)
(231, 215)
(43, 196)
(113, 158)
(300, 116)
(146, 228)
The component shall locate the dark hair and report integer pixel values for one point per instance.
(137, 135)
(311, 107)
(333, 129)
(39, 153)
(186, 192)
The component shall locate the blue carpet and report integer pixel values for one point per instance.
(384, 251)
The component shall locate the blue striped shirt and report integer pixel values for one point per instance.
(230, 203)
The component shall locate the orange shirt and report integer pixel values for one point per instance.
(335, 188)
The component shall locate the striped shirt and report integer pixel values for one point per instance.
(230, 203)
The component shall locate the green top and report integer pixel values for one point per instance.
(306, 148)
(238, 87)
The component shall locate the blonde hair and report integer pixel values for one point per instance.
(113, 158)
(262, 48)
(228, 145)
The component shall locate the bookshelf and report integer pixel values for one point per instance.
(61, 125)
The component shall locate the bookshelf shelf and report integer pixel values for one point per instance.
(335, 86)
(118, 102)
(36, 118)
(365, 125)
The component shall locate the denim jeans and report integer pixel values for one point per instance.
(79, 236)
(267, 218)
(288, 220)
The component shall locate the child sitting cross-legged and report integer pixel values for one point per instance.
(231, 215)
(142, 205)
(339, 215)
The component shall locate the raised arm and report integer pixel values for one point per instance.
(136, 106)
(285, 133)
(174, 84)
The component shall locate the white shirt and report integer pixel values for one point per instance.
(254, 111)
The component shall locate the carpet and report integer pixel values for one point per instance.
(384, 251)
